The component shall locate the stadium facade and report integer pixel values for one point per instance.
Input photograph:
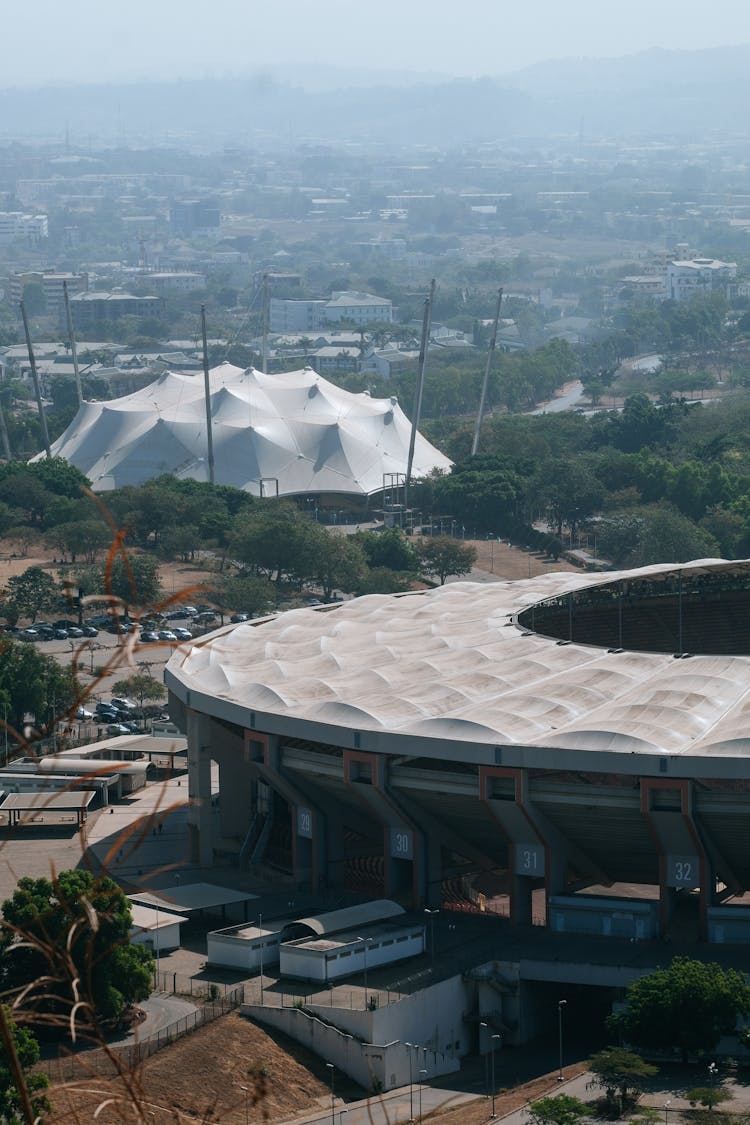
(580, 743)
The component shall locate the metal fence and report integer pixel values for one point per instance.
(177, 984)
(116, 1060)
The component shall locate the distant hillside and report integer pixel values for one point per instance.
(683, 93)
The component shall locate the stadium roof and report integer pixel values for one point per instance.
(296, 429)
(450, 666)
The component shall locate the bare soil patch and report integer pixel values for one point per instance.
(478, 1112)
(199, 1079)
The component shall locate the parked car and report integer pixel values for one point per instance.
(183, 634)
(82, 714)
(29, 635)
(205, 617)
(148, 636)
(104, 709)
(236, 618)
(166, 635)
(123, 704)
(118, 728)
(74, 631)
(90, 631)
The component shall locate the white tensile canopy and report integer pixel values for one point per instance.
(296, 429)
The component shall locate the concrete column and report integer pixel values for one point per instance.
(667, 805)
(199, 814)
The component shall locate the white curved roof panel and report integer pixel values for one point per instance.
(444, 664)
(295, 428)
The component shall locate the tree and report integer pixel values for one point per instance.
(33, 683)
(140, 686)
(244, 593)
(339, 563)
(687, 1006)
(560, 1109)
(134, 580)
(27, 1053)
(442, 556)
(709, 1096)
(69, 939)
(388, 548)
(620, 1073)
(33, 592)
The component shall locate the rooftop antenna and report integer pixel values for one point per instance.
(35, 378)
(486, 379)
(417, 407)
(209, 420)
(73, 345)
(264, 358)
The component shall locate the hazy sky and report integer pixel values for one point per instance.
(91, 40)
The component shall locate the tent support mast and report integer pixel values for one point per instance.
(485, 381)
(35, 378)
(4, 435)
(73, 345)
(207, 389)
(266, 310)
(417, 407)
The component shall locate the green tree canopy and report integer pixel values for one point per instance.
(620, 1073)
(141, 687)
(442, 556)
(33, 683)
(27, 1052)
(34, 592)
(560, 1109)
(686, 1007)
(71, 938)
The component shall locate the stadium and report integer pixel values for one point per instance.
(571, 750)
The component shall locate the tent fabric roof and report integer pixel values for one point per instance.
(449, 664)
(295, 428)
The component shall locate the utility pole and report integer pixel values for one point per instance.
(73, 345)
(207, 391)
(35, 378)
(485, 381)
(417, 407)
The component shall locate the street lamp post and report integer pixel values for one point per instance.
(341, 1115)
(421, 1080)
(560, 1005)
(364, 941)
(431, 915)
(667, 1104)
(495, 1039)
(409, 1047)
(245, 1092)
(333, 1096)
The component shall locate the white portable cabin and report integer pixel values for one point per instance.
(334, 956)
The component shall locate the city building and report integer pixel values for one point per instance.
(194, 216)
(52, 282)
(92, 308)
(289, 315)
(687, 277)
(16, 225)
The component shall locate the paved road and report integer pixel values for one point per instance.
(568, 400)
(160, 1011)
(403, 1105)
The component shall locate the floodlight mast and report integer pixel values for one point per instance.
(207, 388)
(35, 379)
(417, 407)
(485, 381)
(73, 345)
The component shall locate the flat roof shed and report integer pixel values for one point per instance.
(43, 807)
(195, 898)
